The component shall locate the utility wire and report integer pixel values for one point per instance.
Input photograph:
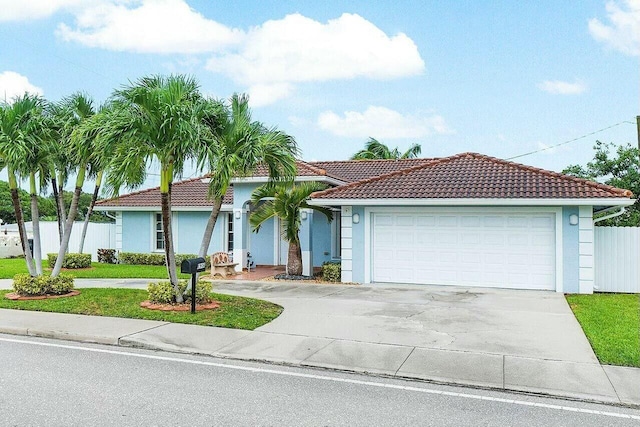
(571, 140)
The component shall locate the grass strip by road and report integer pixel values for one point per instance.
(11, 267)
(611, 323)
(234, 312)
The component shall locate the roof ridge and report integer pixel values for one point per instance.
(316, 169)
(146, 190)
(404, 171)
(426, 159)
(598, 185)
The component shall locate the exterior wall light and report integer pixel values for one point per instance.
(573, 219)
(303, 215)
(237, 214)
(355, 218)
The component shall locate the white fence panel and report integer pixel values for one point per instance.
(617, 259)
(99, 236)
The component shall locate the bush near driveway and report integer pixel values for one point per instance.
(611, 323)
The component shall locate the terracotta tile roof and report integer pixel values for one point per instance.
(472, 176)
(356, 170)
(189, 193)
(304, 169)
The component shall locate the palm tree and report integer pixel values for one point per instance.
(81, 151)
(19, 129)
(374, 149)
(156, 119)
(239, 146)
(285, 201)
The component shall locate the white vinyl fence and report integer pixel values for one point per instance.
(99, 236)
(617, 259)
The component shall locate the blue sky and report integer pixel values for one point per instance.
(501, 78)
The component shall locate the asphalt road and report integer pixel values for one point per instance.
(58, 383)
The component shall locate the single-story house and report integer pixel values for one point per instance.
(468, 219)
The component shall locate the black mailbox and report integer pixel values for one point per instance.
(193, 265)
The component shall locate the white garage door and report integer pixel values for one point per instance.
(501, 249)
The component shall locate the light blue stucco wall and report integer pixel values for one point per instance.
(358, 245)
(570, 251)
(136, 232)
(190, 228)
(321, 239)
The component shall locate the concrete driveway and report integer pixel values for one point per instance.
(530, 324)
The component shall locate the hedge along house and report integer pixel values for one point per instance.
(468, 220)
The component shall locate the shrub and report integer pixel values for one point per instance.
(71, 260)
(141, 259)
(331, 271)
(107, 256)
(154, 259)
(163, 293)
(25, 285)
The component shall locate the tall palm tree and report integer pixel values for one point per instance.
(285, 201)
(374, 149)
(81, 151)
(20, 126)
(157, 119)
(239, 146)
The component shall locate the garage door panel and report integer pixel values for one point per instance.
(500, 250)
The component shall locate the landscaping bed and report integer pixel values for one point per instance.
(234, 312)
(611, 323)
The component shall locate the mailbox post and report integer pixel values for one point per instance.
(193, 266)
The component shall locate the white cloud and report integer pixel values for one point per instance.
(25, 10)
(558, 87)
(382, 123)
(299, 49)
(261, 95)
(148, 26)
(623, 32)
(13, 84)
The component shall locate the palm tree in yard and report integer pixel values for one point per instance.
(239, 146)
(375, 149)
(82, 151)
(285, 201)
(158, 120)
(20, 130)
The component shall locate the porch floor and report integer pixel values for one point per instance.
(257, 273)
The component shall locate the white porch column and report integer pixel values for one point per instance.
(346, 244)
(240, 230)
(306, 241)
(586, 249)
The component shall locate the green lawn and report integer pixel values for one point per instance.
(234, 312)
(11, 267)
(611, 322)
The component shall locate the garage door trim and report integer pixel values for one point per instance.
(368, 229)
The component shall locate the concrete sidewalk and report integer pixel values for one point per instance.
(364, 344)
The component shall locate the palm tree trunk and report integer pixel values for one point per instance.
(294, 260)
(165, 203)
(211, 224)
(60, 202)
(68, 225)
(54, 185)
(22, 231)
(35, 221)
(90, 210)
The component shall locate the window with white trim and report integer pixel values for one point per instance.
(230, 232)
(158, 233)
